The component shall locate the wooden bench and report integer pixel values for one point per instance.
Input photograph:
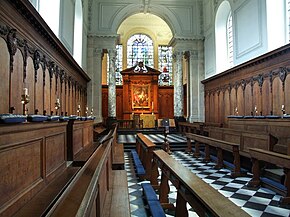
(39, 205)
(204, 199)
(220, 145)
(118, 151)
(96, 190)
(280, 160)
(246, 139)
(200, 128)
(99, 130)
(152, 200)
(145, 148)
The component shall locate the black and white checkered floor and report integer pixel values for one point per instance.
(259, 202)
(155, 138)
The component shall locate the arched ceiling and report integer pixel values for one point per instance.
(148, 24)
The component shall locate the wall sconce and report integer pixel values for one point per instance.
(92, 112)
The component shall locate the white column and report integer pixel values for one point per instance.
(195, 96)
(112, 84)
(94, 93)
(178, 87)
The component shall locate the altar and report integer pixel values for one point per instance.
(148, 120)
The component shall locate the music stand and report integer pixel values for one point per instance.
(165, 124)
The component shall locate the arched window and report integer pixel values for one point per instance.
(49, 10)
(230, 45)
(140, 49)
(78, 32)
(224, 37)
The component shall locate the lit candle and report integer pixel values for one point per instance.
(283, 107)
(79, 106)
(87, 108)
(25, 90)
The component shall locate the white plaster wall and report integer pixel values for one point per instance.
(250, 33)
(67, 24)
(184, 18)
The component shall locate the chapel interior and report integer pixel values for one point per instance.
(144, 108)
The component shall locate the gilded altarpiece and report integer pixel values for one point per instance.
(140, 91)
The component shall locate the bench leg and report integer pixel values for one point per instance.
(286, 199)
(181, 209)
(220, 163)
(255, 181)
(196, 150)
(189, 148)
(164, 189)
(237, 163)
(207, 154)
(154, 174)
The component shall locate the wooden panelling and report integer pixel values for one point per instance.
(32, 57)
(31, 154)
(55, 152)
(4, 67)
(262, 83)
(79, 136)
(165, 99)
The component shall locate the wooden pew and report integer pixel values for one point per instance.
(246, 139)
(118, 151)
(220, 145)
(33, 166)
(195, 127)
(205, 200)
(280, 160)
(99, 130)
(145, 150)
(200, 128)
(79, 137)
(96, 190)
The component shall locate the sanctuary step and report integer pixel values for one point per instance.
(177, 142)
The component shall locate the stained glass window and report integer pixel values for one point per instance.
(165, 65)
(140, 49)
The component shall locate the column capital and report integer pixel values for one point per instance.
(177, 55)
(193, 54)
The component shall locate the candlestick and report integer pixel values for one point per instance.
(25, 100)
(236, 111)
(283, 109)
(57, 105)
